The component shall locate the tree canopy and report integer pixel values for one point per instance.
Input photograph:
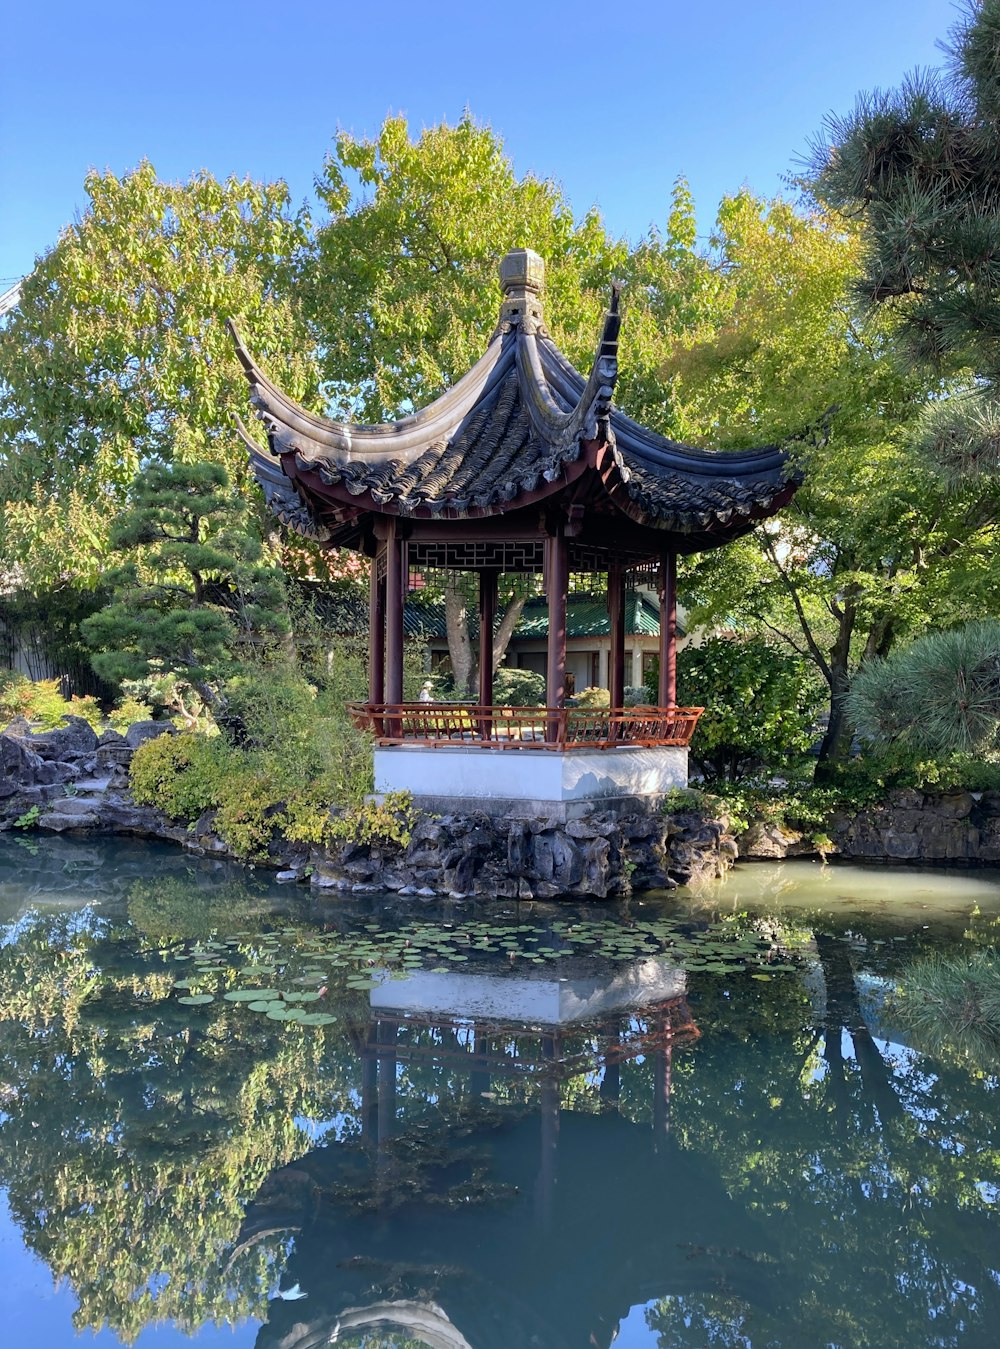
(919, 167)
(117, 353)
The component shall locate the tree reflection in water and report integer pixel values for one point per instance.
(754, 1162)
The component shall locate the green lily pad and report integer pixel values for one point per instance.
(243, 995)
(316, 1019)
(301, 997)
(262, 1006)
(197, 999)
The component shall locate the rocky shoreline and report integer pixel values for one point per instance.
(73, 780)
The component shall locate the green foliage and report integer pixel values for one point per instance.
(197, 594)
(390, 820)
(117, 355)
(128, 710)
(42, 703)
(939, 696)
(180, 774)
(29, 819)
(518, 688)
(296, 756)
(592, 697)
(760, 706)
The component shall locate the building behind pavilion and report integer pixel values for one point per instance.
(525, 465)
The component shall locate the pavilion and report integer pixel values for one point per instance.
(523, 466)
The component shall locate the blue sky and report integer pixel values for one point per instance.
(611, 100)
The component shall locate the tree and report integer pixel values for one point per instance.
(194, 593)
(919, 167)
(940, 695)
(760, 705)
(875, 546)
(118, 354)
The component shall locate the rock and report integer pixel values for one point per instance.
(141, 731)
(60, 820)
(766, 840)
(110, 737)
(954, 805)
(20, 766)
(76, 735)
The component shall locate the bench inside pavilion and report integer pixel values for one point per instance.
(525, 465)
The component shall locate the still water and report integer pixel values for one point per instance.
(233, 1112)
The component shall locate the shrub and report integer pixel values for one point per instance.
(249, 799)
(761, 706)
(940, 695)
(182, 774)
(388, 821)
(518, 688)
(42, 703)
(593, 697)
(128, 711)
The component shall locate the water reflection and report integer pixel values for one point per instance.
(497, 1155)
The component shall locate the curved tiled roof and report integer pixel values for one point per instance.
(513, 430)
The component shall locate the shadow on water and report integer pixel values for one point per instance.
(703, 1112)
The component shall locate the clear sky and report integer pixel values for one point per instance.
(613, 100)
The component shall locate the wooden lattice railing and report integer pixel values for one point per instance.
(438, 724)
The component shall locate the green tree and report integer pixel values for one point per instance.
(760, 705)
(194, 596)
(919, 166)
(940, 695)
(875, 546)
(118, 354)
(405, 292)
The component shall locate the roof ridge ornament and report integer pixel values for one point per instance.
(522, 280)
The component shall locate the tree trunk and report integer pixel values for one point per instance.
(461, 649)
(456, 611)
(510, 620)
(836, 743)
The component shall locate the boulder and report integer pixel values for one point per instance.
(141, 731)
(77, 736)
(20, 766)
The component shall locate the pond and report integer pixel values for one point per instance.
(231, 1110)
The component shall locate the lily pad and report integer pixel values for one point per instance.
(197, 999)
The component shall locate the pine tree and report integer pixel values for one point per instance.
(920, 165)
(194, 596)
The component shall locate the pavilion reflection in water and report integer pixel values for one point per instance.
(559, 1251)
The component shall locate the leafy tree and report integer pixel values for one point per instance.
(760, 705)
(195, 594)
(919, 166)
(874, 547)
(117, 354)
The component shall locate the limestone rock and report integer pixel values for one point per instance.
(141, 731)
(77, 735)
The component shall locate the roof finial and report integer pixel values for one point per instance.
(522, 277)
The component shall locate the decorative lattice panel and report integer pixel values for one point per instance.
(523, 555)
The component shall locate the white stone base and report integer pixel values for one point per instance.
(483, 776)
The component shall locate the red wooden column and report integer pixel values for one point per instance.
(556, 586)
(395, 593)
(488, 579)
(668, 630)
(616, 616)
(376, 629)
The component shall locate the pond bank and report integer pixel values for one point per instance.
(71, 779)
